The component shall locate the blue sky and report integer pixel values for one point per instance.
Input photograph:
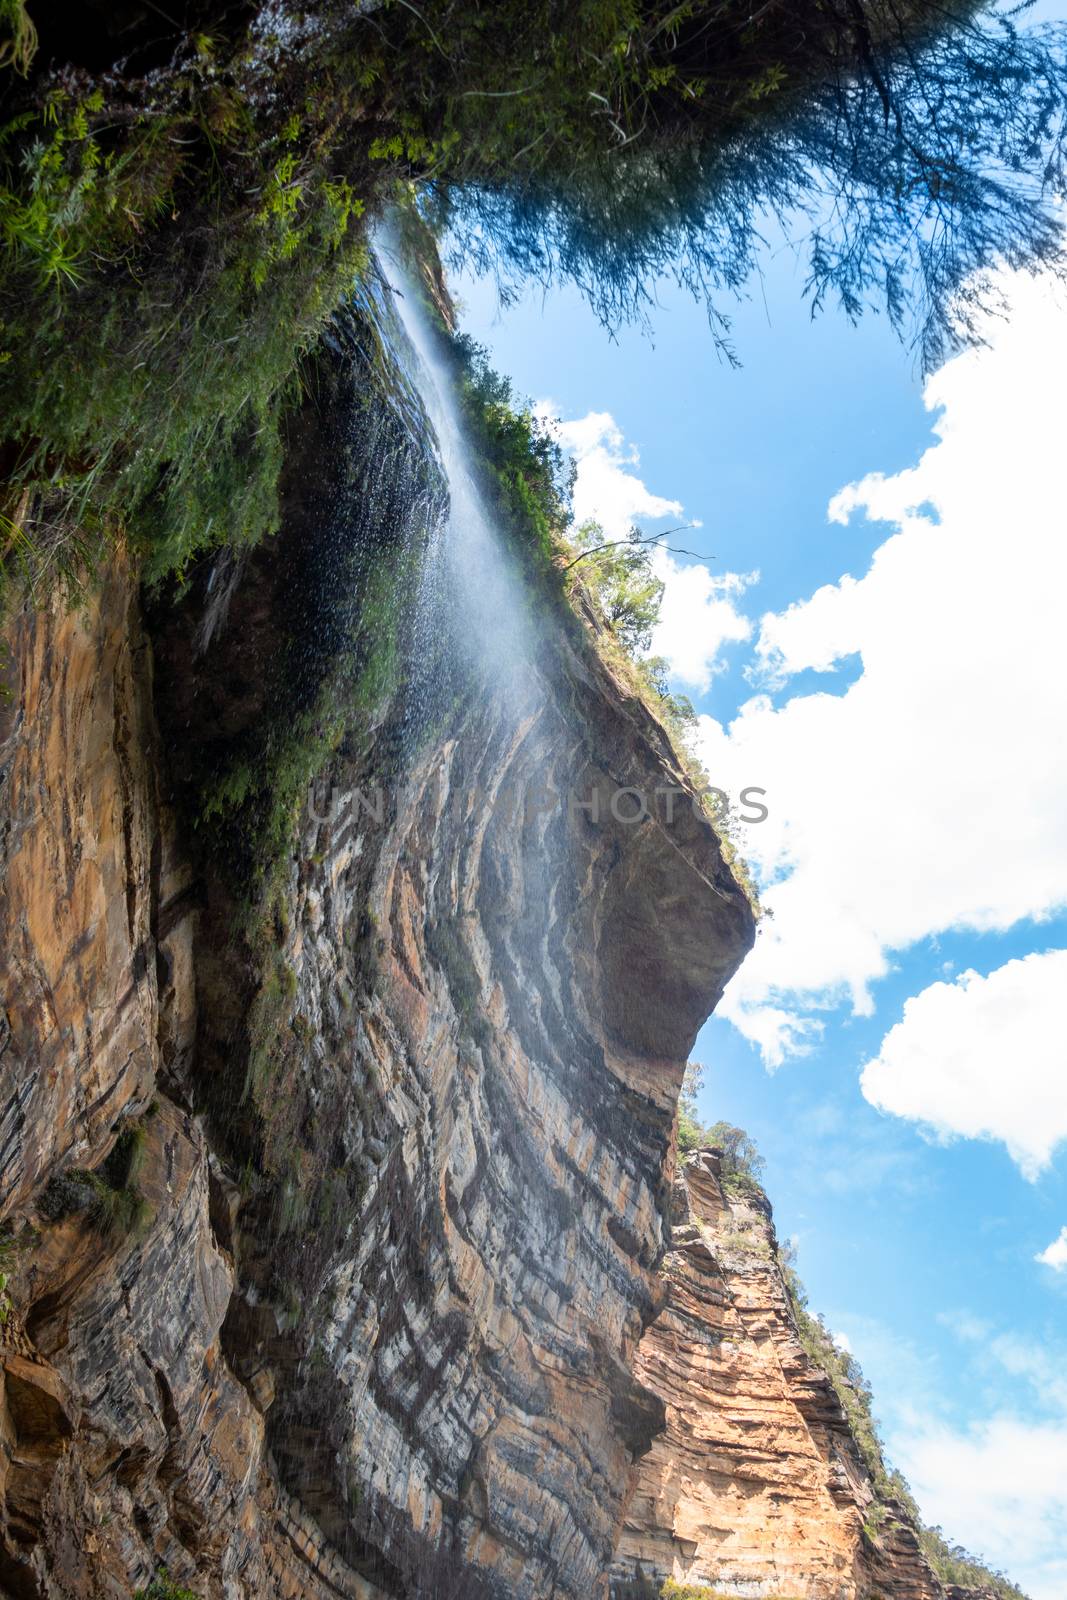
(907, 724)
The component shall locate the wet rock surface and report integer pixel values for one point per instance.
(474, 1365)
(87, 868)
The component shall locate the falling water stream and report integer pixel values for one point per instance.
(471, 598)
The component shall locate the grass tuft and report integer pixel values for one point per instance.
(109, 1196)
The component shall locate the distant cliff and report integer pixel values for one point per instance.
(759, 1483)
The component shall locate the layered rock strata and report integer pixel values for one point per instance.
(341, 1255)
(126, 1441)
(757, 1485)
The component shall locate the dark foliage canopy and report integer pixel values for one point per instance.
(186, 194)
(905, 147)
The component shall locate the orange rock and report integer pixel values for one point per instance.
(756, 1486)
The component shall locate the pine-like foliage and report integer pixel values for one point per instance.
(185, 194)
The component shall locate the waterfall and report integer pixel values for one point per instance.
(471, 600)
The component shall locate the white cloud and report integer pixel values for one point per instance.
(999, 1485)
(606, 490)
(698, 615)
(969, 1328)
(932, 793)
(697, 618)
(1041, 1366)
(983, 1058)
(1056, 1254)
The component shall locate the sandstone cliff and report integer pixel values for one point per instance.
(333, 1230)
(757, 1486)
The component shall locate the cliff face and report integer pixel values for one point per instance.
(472, 1371)
(87, 863)
(757, 1485)
(330, 1250)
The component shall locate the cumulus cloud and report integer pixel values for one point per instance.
(697, 618)
(931, 794)
(699, 614)
(983, 1058)
(607, 489)
(1056, 1254)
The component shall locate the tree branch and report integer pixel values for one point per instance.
(651, 538)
